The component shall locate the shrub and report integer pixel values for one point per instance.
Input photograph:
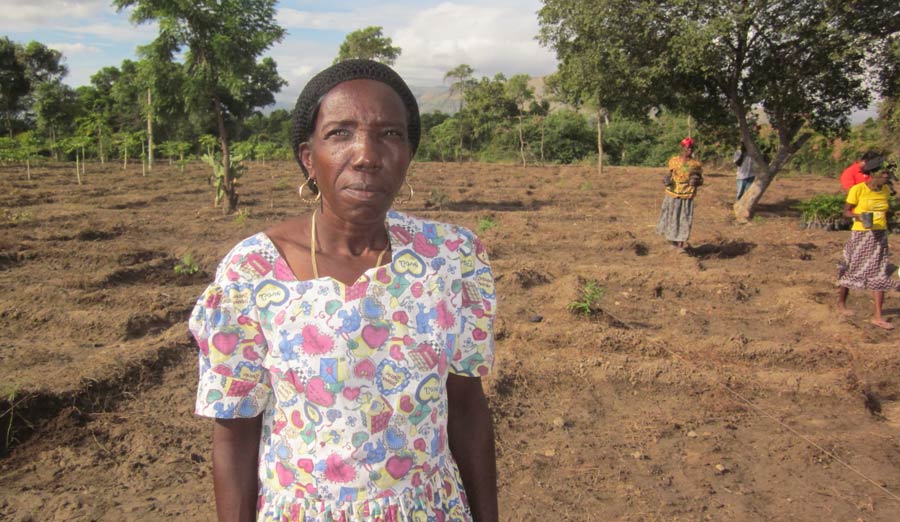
(823, 211)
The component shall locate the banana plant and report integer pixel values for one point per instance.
(235, 170)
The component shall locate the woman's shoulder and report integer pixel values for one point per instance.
(409, 225)
(250, 258)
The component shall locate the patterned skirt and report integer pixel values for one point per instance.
(864, 265)
(675, 218)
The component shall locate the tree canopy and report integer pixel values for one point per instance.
(223, 40)
(368, 44)
(23, 68)
(806, 64)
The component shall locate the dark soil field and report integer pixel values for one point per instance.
(714, 385)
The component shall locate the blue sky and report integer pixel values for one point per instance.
(493, 36)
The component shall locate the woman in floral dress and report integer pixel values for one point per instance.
(341, 350)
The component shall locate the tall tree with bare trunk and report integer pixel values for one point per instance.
(223, 40)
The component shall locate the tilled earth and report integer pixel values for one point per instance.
(717, 385)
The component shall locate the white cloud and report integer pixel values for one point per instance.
(491, 39)
(19, 16)
(119, 32)
(73, 49)
(385, 15)
(298, 60)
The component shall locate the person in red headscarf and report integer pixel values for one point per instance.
(677, 213)
(855, 173)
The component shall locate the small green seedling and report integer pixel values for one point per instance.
(240, 217)
(588, 301)
(187, 265)
(485, 224)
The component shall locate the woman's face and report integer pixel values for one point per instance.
(880, 178)
(359, 150)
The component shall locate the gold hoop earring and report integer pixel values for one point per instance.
(411, 193)
(309, 201)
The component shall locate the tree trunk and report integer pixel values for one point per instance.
(765, 170)
(521, 142)
(149, 130)
(600, 141)
(460, 149)
(227, 182)
(53, 143)
(542, 140)
(743, 208)
(77, 169)
(100, 145)
(28, 169)
(83, 161)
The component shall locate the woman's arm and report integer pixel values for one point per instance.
(470, 432)
(235, 465)
(848, 211)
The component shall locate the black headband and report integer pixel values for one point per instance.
(304, 117)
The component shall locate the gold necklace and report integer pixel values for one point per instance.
(312, 247)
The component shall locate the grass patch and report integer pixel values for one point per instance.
(485, 224)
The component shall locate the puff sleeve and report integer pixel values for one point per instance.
(233, 381)
(473, 354)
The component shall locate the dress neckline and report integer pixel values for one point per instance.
(363, 278)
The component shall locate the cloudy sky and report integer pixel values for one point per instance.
(493, 36)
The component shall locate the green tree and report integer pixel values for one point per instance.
(368, 44)
(889, 108)
(802, 62)
(600, 66)
(22, 70)
(55, 109)
(223, 40)
(76, 145)
(208, 142)
(127, 142)
(520, 93)
(487, 110)
(29, 146)
(176, 149)
(460, 78)
(14, 84)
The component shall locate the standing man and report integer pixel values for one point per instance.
(745, 175)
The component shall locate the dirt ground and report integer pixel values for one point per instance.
(695, 394)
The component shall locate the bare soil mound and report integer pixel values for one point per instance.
(717, 384)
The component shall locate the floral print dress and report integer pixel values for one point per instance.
(350, 380)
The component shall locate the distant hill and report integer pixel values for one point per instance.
(434, 98)
(439, 99)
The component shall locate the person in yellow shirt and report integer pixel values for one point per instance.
(864, 265)
(677, 212)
